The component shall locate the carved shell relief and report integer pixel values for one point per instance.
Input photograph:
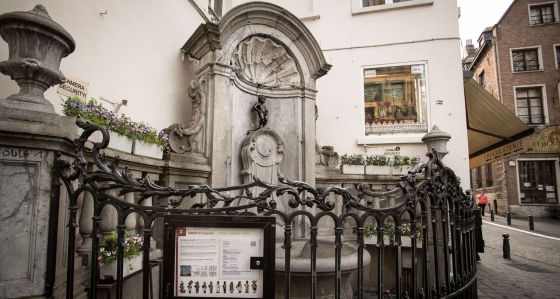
(262, 61)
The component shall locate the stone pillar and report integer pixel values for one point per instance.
(132, 219)
(27, 254)
(85, 223)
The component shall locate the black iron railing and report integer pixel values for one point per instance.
(431, 211)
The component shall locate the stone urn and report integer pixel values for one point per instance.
(36, 45)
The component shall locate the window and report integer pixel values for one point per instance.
(366, 3)
(395, 99)
(481, 79)
(489, 178)
(525, 60)
(478, 177)
(530, 105)
(537, 182)
(542, 14)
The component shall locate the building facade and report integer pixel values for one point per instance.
(164, 64)
(517, 62)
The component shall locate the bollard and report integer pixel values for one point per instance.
(531, 223)
(505, 247)
(508, 217)
(492, 215)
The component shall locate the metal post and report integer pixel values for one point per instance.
(508, 217)
(491, 215)
(505, 247)
(531, 223)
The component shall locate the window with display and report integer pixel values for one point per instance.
(366, 3)
(537, 182)
(395, 99)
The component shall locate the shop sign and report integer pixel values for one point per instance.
(505, 151)
(73, 87)
(547, 141)
(219, 256)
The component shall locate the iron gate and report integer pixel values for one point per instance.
(431, 212)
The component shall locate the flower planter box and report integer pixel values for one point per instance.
(378, 170)
(147, 149)
(401, 170)
(129, 266)
(352, 169)
(120, 142)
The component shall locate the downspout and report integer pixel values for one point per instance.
(497, 62)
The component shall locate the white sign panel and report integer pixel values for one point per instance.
(216, 262)
(370, 73)
(73, 87)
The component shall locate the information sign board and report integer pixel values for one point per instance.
(219, 256)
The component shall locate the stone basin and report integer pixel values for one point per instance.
(326, 279)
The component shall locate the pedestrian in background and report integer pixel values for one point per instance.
(482, 202)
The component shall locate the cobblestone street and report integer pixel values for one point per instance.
(534, 268)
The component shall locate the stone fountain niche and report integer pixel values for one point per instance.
(257, 49)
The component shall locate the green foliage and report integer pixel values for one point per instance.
(109, 244)
(378, 160)
(354, 159)
(370, 229)
(399, 160)
(95, 113)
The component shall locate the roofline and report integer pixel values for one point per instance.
(506, 12)
(493, 27)
(479, 54)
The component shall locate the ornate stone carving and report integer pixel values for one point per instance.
(261, 154)
(263, 62)
(325, 155)
(37, 45)
(190, 139)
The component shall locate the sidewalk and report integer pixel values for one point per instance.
(545, 226)
(534, 267)
(515, 278)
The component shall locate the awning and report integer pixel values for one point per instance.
(490, 124)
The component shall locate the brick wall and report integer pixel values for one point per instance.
(514, 32)
(487, 64)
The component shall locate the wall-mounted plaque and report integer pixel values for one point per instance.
(219, 256)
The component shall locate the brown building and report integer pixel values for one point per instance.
(518, 62)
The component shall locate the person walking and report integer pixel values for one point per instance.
(482, 202)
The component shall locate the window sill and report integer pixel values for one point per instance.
(390, 6)
(523, 72)
(544, 24)
(391, 139)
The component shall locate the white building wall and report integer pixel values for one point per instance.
(408, 35)
(132, 52)
(413, 32)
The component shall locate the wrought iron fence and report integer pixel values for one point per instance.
(431, 213)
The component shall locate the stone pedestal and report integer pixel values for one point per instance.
(27, 152)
